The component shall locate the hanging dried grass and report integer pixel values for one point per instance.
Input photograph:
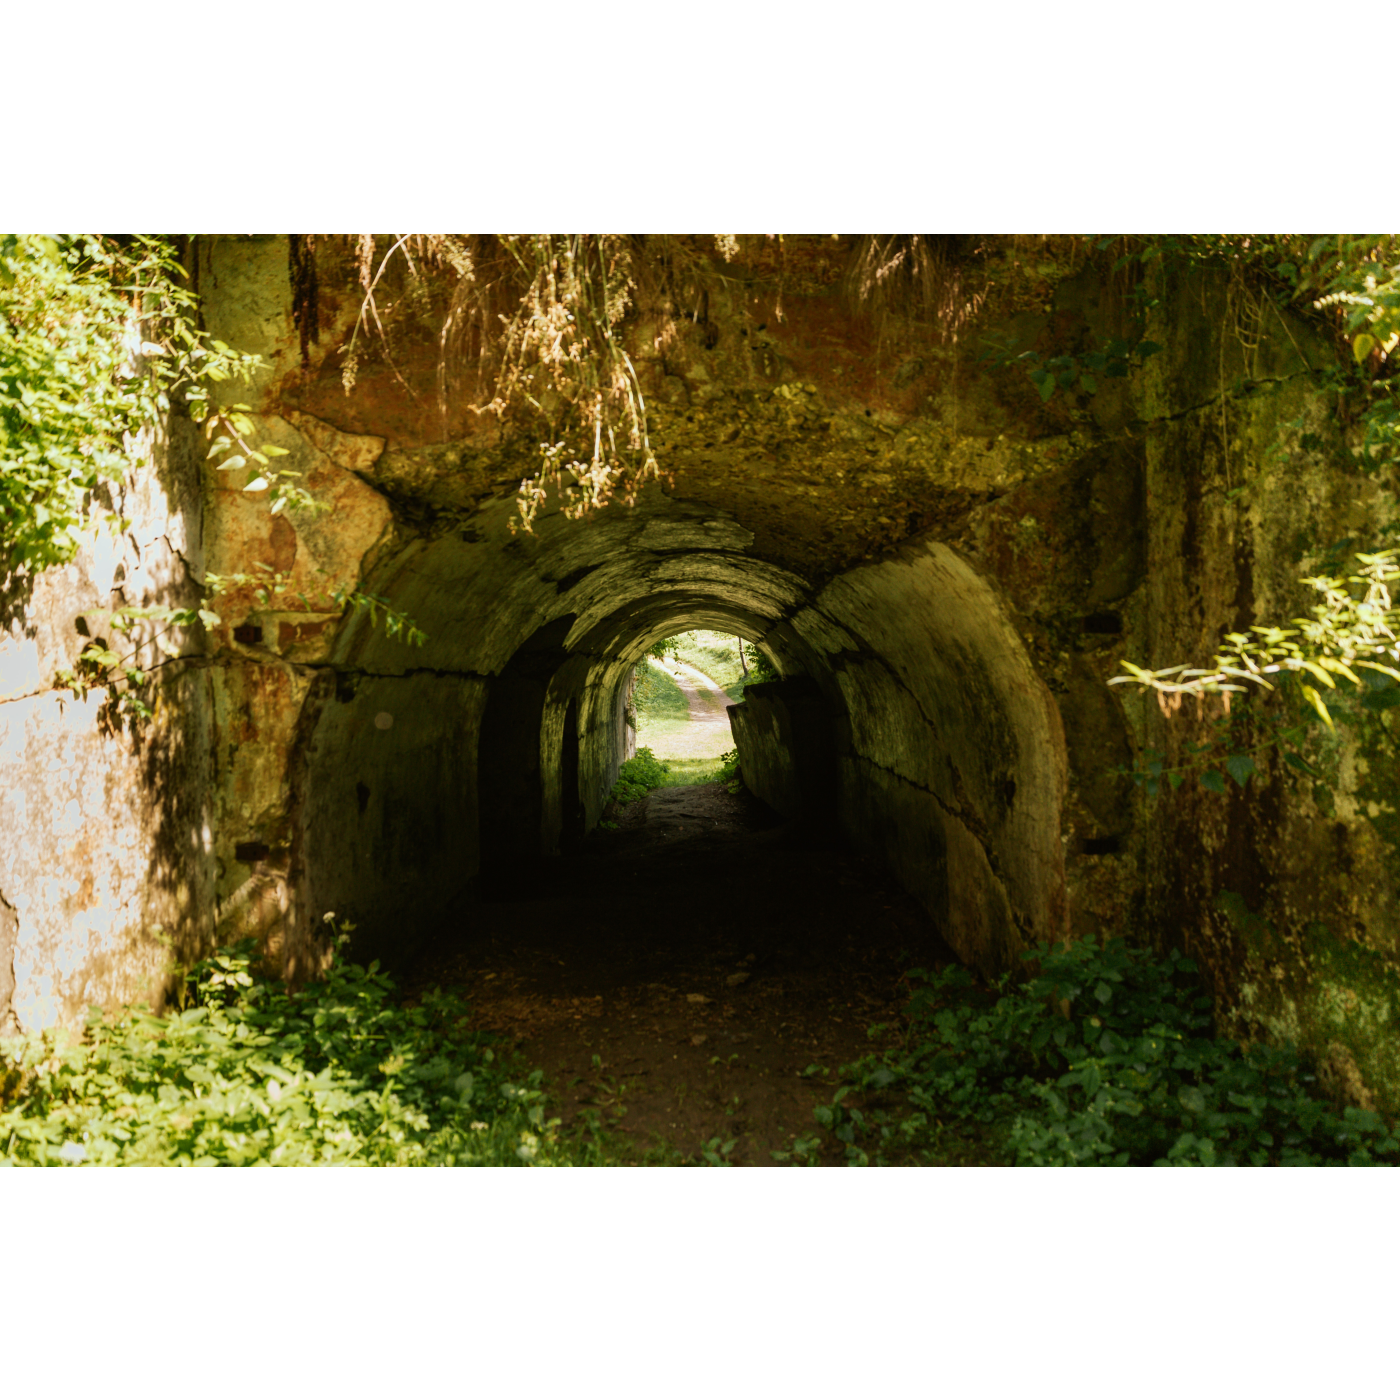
(923, 276)
(535, 321)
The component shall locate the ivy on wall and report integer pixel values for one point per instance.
(99, 344)
(98, 339)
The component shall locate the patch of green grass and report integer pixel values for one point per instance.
(1107, 1057)
(253, 1072)
(659, 700)
(686, 772)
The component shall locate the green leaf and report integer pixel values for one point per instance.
(1239, 766)
(1315, 700)
(1213, 781)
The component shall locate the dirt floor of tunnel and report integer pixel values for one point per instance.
(677, 978)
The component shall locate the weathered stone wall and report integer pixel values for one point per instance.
(106, 825)
(1285, 890)
(764, 734)
(953, 565)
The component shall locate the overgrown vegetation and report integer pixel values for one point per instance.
(636, 777)
(100, 344)
(656, 698)
(250, 1071)
(1351, 630)
(730, 774)
(97, 342)
(1105, 1057)
(1353, 626)
(728, 661)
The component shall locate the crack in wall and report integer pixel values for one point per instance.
(9, 937)
(972, 823)
(1253, 387)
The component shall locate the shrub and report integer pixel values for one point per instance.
(1105, 1058)
(729, 773)
(637, 777)
(252, 1071)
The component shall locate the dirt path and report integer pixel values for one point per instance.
(677, 976)
(705, 733)
(706, 700)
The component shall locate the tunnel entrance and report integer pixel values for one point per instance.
(903, 717)
(903, 769)
(682, 693)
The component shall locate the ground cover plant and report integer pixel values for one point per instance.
(637, 776)
(1106, 1057)
(249, 1071)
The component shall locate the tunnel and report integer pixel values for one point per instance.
(907, 720)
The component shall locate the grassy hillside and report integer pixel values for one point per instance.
(717, 655)
(663, 714)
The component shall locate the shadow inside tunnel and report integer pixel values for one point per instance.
(706, 953)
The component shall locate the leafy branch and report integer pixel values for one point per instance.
(99, 667)
(1222, 755)
(234, 427)
(1116, 360)
(1353, 626)
(396, 623)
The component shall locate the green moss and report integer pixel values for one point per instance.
(1320, 991)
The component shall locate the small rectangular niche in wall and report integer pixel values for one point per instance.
(1102, 624)
(1102, 845)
